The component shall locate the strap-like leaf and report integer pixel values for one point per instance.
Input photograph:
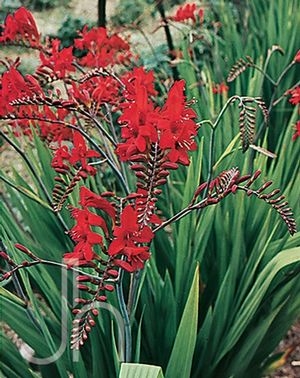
(180, 362)
(140, 370)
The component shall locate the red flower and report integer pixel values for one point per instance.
(52, 131)
(135, 258)
(60, 157)
(128, 237)
(103, 50)
(185, 12)
(58, 61)
(82, 230)
(82, 233)
(16, 86)
(105, 90)
(85, 238)
(81, 255)
(20, 26)
(137, 78)
(297, 131)
(173, 126)
(91, 199)
(80, 153)
(139, 130)
(177, 126)
(295, 93)
(220, 88)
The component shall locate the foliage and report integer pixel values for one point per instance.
(69, 30)
(178, 255)
(40, 5)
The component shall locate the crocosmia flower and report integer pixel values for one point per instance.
(128, 240)
(295, 93)
(20, 27)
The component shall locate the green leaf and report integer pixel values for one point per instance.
(182, 354)
(12, 297)
(255, 297)
(140, 371)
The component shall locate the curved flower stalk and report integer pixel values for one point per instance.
(113, 230)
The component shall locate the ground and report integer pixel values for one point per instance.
(290, 367)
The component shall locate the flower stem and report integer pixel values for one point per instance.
(21, 293)
(37, 261)
(133, 291)
(125, 316)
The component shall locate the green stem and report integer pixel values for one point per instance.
(21, 294)
(125, 316)
(182, 213)
(271, 105)
(279, 99)
(99, 126)
(284, 72)
(267, 76)
(133, 290)
(37, 261)
(223, 110)
(210, 158)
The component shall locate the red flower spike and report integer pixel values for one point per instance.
(20, 26)
(177, 126)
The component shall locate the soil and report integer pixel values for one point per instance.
(290, 345)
